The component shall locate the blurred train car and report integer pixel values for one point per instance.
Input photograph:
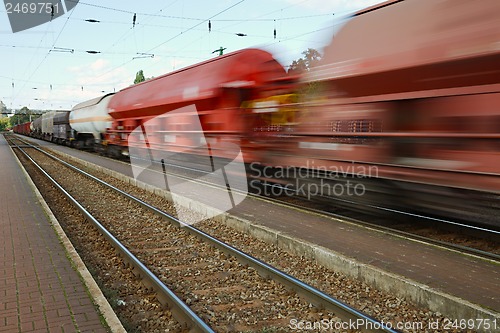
(89, 121)
(196, 107)
(408, 96)
(44, 128)
(36, 128)
(61, 130)
(24, 129)
(404, 107)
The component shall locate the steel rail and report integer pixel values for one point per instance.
(315, 296)
(179, 309)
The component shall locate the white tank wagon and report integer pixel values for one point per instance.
(88, 121)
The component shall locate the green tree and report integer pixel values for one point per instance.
(297, 66)
(311, 57)
(139, 77)
(4, 124)
(21, 116)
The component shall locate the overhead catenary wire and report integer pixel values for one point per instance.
(176, 36)
(129, 49)
(198, 18)
(175, 27)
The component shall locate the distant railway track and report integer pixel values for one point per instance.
(217, 274)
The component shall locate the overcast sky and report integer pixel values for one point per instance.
(38, 69)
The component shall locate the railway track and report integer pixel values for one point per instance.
(467, 238)
(454, 235)
(207, 284)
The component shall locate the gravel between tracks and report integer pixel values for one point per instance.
(382, 306)
(226, 294)
(135, 305)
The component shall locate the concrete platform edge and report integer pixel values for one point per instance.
(95, 292)
(420, 294)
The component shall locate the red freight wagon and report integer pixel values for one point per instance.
(212, 91)
(24, 128)
(408, 93)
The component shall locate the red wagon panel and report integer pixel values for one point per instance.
(217, 88)
(415, 46)
(195, 84)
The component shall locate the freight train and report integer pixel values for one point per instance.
(407, 96)
(404, 108)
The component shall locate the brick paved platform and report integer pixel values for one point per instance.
(40, 291)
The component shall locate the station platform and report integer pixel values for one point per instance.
(40, 288)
